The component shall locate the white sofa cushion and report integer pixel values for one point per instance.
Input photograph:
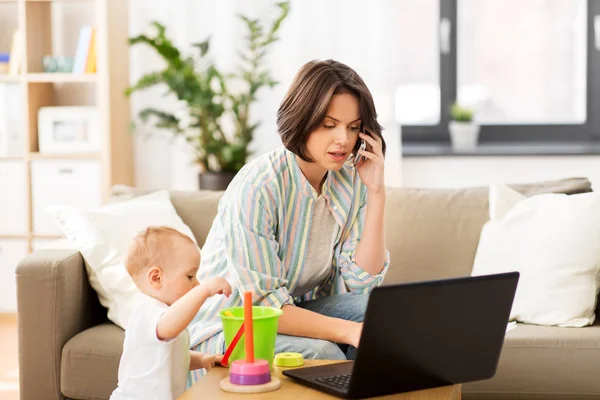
(553, 240)
(103, 236)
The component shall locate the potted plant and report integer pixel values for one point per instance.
(464, 133)
(210, 99)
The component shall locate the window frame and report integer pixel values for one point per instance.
(507, 133)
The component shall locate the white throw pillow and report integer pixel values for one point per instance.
(553, 240)
(103, 236)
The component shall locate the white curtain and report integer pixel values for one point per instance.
(357, 32)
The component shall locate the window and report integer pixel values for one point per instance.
(418, 91)
(530, 69)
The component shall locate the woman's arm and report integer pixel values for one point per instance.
(298, 321)
(364, 239)
(362, 258)
(371, 253)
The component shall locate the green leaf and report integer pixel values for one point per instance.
(163, 46)
(164, 119)
(144, 82)
(284, 8)
(203, 46)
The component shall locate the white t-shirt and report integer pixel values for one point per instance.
(151, 368)
(319, 253)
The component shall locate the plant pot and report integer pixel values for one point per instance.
(464, 135)
(215, 180)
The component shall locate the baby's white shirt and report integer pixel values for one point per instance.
(151, 368)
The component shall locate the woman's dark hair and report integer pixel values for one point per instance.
(304, 106)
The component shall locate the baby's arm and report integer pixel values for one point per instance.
(200, 360)
(179, 315)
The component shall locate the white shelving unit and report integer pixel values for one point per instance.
(30, 180)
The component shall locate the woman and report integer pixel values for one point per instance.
(302, 227)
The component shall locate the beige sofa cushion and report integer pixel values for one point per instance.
(560, 363)
(90, 361)
(197, 209)
(433, 233)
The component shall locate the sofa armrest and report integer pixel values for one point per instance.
(53, 302)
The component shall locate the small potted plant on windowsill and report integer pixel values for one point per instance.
(464, 133)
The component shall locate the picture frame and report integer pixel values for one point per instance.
(66, 130)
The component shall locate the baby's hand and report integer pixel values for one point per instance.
(209, 360)
(216, 285)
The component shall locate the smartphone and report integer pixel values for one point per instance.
(361, 146)
(358, 156)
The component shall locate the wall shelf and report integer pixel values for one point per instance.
(60, 78)
(42, 236)
(72, 156)
(12, 158)
(53, 1)
(9, 78)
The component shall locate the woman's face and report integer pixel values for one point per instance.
(330, 145)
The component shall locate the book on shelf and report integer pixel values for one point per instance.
(16, 53)
(90, 66)
(85, 54)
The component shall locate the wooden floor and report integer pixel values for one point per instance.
(9, 370)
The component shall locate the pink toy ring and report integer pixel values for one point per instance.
(242, 367)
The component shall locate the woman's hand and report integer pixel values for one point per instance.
(353, 335)
(371, 170)
(357, 333)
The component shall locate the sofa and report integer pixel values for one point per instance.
(68, 348)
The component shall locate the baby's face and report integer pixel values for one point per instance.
(179, 271)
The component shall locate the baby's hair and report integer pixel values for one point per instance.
(150, 246)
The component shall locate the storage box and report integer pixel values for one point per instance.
(62, 182)
(68, 130)
(12, 137)
(13, 198)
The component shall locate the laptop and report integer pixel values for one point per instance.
(423, 335)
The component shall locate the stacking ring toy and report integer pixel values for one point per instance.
(249, 375)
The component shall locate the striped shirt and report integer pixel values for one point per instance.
(259, 238)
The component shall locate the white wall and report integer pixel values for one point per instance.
(448, 172)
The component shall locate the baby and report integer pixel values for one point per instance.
(156, 354)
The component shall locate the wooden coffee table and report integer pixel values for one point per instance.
(208, 388)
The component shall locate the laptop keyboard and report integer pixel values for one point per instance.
(337, 381)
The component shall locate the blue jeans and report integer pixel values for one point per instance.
(346, 306)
